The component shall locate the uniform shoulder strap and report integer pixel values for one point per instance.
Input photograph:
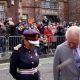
(17, 47)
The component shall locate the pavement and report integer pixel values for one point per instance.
(4, 58)
(45, 67)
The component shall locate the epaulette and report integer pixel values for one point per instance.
(17, 47)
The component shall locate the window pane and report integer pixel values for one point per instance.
(1, 7)
(2, 12)
(47, 0)
(45, 4)
(54, 5)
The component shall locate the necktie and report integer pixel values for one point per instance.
(77, 57)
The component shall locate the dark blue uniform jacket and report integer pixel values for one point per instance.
(24, 58)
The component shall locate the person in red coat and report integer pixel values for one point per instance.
(48, 33)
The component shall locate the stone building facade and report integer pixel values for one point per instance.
(68, 10)
(37, 9)
(28, 9)
(49, 8)
(9, 8)
(63, 10)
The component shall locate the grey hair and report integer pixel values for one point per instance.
(74, 29)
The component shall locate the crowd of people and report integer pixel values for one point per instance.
(24, 60)
(51, 34)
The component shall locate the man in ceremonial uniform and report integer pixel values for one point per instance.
(24, 60)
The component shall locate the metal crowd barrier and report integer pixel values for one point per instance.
(2, 44)
(7, 44)
(13, 41)
(52, 43)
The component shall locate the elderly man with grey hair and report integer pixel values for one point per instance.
(66, 64)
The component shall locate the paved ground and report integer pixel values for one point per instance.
(45, 69)
(5, 57)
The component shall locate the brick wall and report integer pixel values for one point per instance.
(31, 8)
(28, 3)
(28, 8)
(13, 11)
(66, 13)
(70, 10)
(74, 10)
(63, 10)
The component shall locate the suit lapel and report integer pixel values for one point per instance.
(71, 54)
(73, 59)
